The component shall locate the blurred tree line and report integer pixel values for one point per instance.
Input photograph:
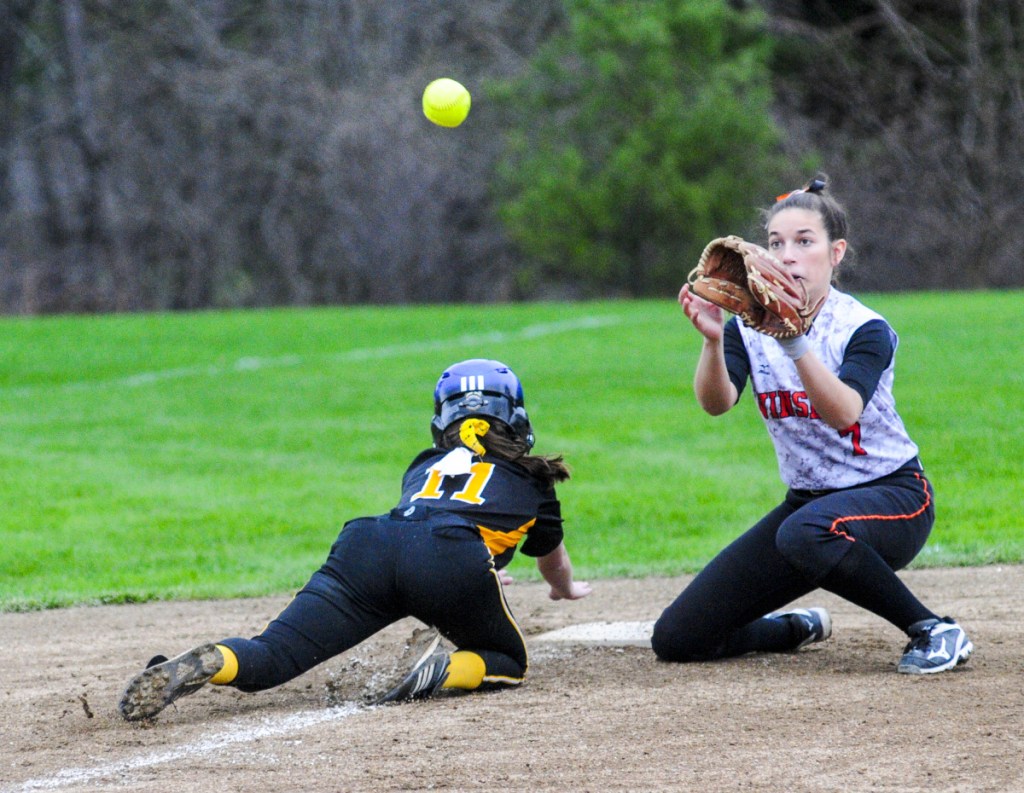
(178, 154)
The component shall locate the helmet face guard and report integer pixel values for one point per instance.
(480, 387)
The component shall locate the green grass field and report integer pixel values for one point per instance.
(218, 454)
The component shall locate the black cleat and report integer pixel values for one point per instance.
(161, 683)
(427, 676)
(816, 622)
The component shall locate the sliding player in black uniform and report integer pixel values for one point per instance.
(466, 505)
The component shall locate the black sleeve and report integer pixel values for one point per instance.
(736, 360)
(546, 534)
(868, 353)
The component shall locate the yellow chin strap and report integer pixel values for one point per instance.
(469, 431)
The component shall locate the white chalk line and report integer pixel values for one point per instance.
(239, 731)
(232, 733)
(255, 363)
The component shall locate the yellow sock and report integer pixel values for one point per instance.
(229, 671)
(465, 670)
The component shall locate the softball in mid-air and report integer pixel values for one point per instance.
(446, 102)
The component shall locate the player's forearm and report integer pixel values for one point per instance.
(556, 568)
(838, 405)
(711, 384)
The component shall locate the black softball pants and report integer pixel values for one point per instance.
(379, 571)
(849, 542)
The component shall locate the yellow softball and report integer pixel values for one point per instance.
(446, 102)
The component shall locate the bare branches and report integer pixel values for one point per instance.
(925, 122)
(178, 154)
(181, 154)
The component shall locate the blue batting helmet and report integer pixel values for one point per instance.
(480, 387)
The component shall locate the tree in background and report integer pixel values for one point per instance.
(917, 110)
(179, 154)
(637, 135)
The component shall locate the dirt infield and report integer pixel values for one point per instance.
(834, 716)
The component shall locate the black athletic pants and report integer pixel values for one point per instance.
(849, 542)
(381, 570)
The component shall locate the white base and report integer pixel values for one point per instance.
(611, 634)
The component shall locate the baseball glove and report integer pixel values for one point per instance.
(746, 280)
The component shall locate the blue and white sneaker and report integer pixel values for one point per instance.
(815, 621)
(935, 646)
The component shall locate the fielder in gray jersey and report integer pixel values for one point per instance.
(858, 505)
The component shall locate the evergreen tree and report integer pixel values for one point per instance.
(638, 134)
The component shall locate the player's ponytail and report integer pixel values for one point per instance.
(502, 442)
